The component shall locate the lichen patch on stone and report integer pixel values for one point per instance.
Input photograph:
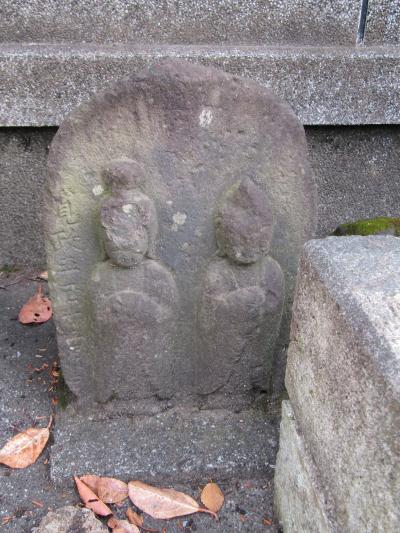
(179, 219)
(97, 190)
(127, 208)
(205, 117)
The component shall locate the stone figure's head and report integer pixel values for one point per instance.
(244, 222)
(123, 174)
(128, 216)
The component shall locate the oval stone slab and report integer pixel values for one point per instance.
(224, 163)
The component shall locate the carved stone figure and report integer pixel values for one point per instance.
(147, 181)
(242, 295)
(133, 297)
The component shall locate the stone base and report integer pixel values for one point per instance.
(299, 501)
(179, 445)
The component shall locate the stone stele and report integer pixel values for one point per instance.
(177, 204)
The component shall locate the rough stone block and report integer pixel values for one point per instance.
(180, 445)
(298, 499)
(343, 375)
(383, 22)
(72, 519)
(40, 84)
(180, 21)
(178, 202)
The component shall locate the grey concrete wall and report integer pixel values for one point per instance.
(180, 21)
(383, 22)
(357, 171)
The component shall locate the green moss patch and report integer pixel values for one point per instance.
(371, 226)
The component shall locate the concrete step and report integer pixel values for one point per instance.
(41, 83)
(181, 21)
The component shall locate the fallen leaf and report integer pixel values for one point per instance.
(108, 489)
(112, 522)
(7, 519)
(267, 522)
(134, 518)
(38, 503)
(123, 526)
(91, 481)
(212, 497)
(24, 449)
(163, 503)
(36, 310)
(44, 275)
(111, 490)
(90, 499)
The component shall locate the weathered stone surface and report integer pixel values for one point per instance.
(343, 375)
(298, 497)
(383, 22)
(40, 84)
(356, 172)
(180, 21)
(181, 445)
(218, 165)
(70, 519)
(23, 155)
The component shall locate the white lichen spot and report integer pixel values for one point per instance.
(127, 208)
(205, 117)
(97, 190)
(179, 219)
(169, 202)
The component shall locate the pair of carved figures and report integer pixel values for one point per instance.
(136, 302)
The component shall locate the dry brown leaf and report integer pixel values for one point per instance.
(36, 310)
(108, 489)
(111, 490)
(212, 497)
(134, 518)
(91, 481)
(90, 499)
(112, 522)
(123, 526)
(163, 503)
(44, 275)
(24, 449)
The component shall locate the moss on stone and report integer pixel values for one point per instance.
(62, 392)
(9, 269)
(371, 226)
